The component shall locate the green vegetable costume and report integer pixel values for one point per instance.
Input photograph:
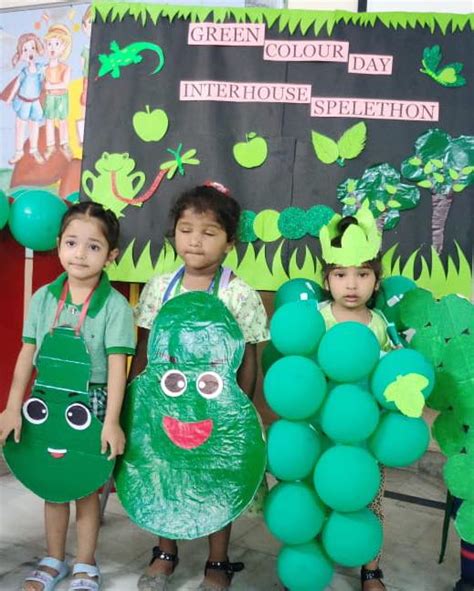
(59, 454)
(195, 452)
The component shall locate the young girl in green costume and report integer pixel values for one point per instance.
(204, 222)
(352, 269)
(81, 297)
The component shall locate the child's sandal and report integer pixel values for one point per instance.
(85, 584)
(48, 581)
(230, 568)
(158, 582)
(367, 574)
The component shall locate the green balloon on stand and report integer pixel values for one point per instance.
(304, 567)
(396, 364)
(293, 513)
(293, 448)
(269, 355)
(348, 352)
(35, 218)
(347, 478)
(297, 290)
(4, 210)
(352, 539)
(349, 414)
(398, 440)
(294, 387)
(296, 328)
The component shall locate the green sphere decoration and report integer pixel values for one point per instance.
(348, 352)
(347, 478)
(4, 210)
(296, 328)
(265, 225)
(245, 231)
(269, 356)
(349, 414)
(297, 290)
(294, 387)
(291, 223)
(317, 217)
(352, 539)
(398, 440)
(293, 448)
(396, 364)
(35, 217)
(304, 567)
(293, 513)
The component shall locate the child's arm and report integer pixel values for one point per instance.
(10, 418)
(247, 373)
(141, 359)
(112, 434)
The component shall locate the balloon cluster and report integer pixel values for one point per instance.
(34, 217)
(336, 428)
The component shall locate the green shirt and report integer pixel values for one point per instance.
(107, 329)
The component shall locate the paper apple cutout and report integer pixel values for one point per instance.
(251, 153)
(150, 126)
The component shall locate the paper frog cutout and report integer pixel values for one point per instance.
(195, 452)
(58, 456)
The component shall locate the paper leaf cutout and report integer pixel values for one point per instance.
(459, 476)
(352, 141)
(450, 434)
(448, 75)
(324, 147)
(406, 393)
(465, 519)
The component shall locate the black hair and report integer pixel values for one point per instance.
(375, 264)
(205, 198)
(88, 209)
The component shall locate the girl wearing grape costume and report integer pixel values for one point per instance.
(83, 298)
(204, 222)
(352, 270)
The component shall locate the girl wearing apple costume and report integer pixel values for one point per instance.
(204, 221)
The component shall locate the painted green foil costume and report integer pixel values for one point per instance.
(195, 452)
(58, 456)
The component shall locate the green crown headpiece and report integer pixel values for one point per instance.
(360, 242)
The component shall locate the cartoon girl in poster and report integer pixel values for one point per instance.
(57, 76)
(86, 29)
(24, 95)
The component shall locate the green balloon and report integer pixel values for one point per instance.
(4, 210)
(35, 218)
(297, 290)
(294, 387)
(293, 513)
(400, 363)
(269, 356)
(390, 294)
(297, 327)
(352, 539)
(346, 478)
(293, 448)
(349, 414)
(348, 352)
(398, 440)
(304, 567)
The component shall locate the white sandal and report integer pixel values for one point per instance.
(48, 581)
(82, 584)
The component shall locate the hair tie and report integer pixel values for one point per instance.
(218, 186)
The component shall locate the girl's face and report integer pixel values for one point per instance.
(83, 249)
(351, 287)
(28, 51)
(54, 47)
(201, 241)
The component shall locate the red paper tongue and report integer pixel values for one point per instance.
(187, 435)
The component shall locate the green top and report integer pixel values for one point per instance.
(108, 327)
(377, 324)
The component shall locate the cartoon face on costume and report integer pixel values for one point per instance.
(195, 452)
(58, 456)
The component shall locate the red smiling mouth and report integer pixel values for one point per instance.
(187, 435)
(57, 453)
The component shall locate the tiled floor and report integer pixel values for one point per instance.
(412, 538)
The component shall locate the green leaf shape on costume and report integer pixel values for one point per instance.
(459, 476)
(406, 392)
(195, 452)
(465, 519)
(324, 147)
(59, 454)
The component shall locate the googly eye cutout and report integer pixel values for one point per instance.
(78, 416)
(174, 383)
(35, 411)
(209, 384)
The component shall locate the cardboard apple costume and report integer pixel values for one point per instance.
(195, 452)
(59, 454)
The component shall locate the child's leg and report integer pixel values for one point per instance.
(56, 522)
(87, 526)
(375, 584)
(163, 566)
(218, 552)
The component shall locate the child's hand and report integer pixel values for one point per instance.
(112, 436)
(10, 420)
